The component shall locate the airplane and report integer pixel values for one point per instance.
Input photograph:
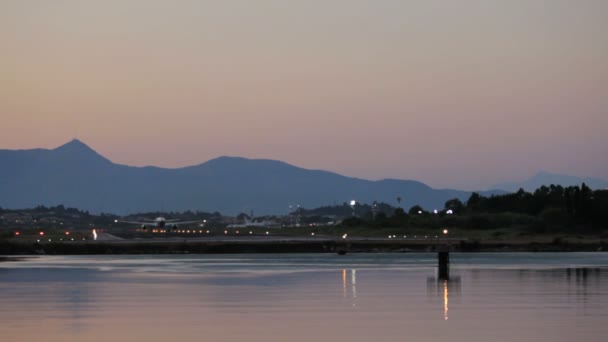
(161, 223)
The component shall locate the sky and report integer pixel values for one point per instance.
(462, 94)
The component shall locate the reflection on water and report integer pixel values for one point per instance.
(353, 283)
(443, 288)
(445, 299)
(498, 297)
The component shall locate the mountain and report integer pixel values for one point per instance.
(546, 178)
(76, 176)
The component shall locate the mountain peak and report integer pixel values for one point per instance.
(74, 144)
(78, 148)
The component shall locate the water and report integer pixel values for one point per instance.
(321, 297)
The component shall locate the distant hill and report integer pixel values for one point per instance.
(76, 176)
(546, 178)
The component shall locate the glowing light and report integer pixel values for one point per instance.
(94, 234)
(344, 282)
(250, 232)
(419, 211)
(445, 300)
(41, 233)
(344, 236)
(267, 233)
(225, 232)
(450, 212)
(353, 203)
(115, 221)
(313, 233)
(207, 232)
(17, 233)
(67, 233)
(435, 211)
(445, 231)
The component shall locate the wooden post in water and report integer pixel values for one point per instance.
(443, 263)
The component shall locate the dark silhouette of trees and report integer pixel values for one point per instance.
(577, 209)
(455, 205)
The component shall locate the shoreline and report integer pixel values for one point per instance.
(289, 246)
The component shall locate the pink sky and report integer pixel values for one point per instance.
(459, 94)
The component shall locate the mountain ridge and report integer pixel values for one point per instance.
(75, 175)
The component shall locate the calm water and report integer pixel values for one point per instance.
(321, 297)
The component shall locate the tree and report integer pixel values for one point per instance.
(416, 210)
(474, 201)
(455, 205)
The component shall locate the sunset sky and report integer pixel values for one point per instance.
(460, 94)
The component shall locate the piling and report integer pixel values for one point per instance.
(443, 263)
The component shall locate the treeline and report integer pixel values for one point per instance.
(549, 208)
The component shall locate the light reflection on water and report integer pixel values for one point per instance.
(380, 297)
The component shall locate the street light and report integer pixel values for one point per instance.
(352, 206)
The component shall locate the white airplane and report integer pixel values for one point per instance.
(161, 223)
